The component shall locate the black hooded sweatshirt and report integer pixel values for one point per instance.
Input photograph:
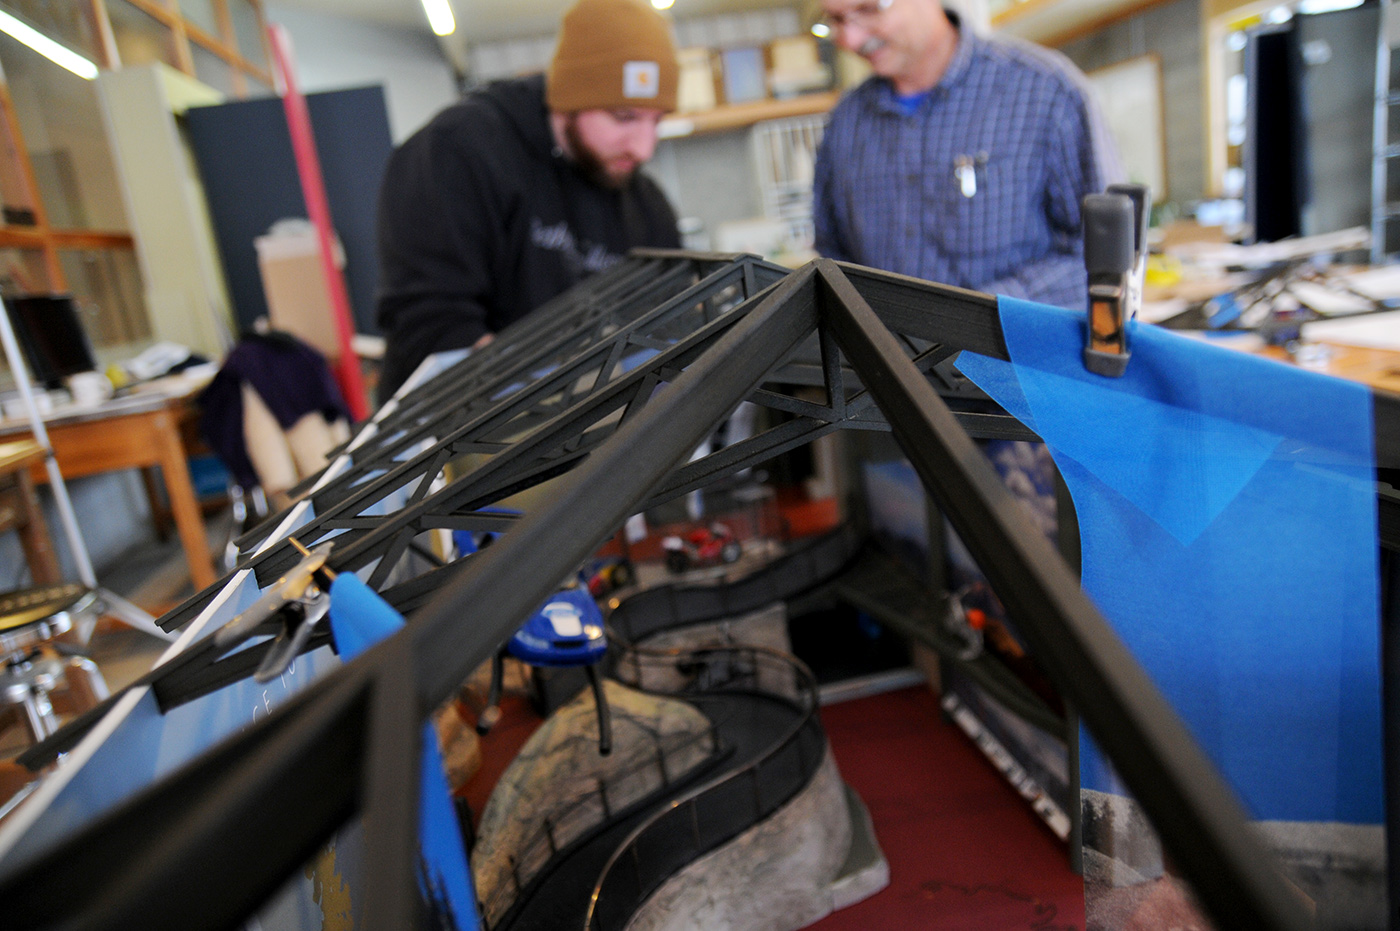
(482, 219)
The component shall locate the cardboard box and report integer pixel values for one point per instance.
(298, 299)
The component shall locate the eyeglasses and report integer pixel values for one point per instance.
(862, 15)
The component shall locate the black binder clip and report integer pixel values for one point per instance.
(1115, 256)
(296, 602)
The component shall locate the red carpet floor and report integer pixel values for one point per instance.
(966, 853)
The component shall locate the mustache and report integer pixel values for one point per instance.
(870, 46)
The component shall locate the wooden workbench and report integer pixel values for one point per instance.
(136, 432)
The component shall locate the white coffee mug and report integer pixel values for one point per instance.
(89, 389)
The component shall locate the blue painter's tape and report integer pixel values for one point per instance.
(1228, 523)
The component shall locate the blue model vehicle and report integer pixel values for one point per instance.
(567, 630)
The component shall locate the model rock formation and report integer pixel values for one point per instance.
(559, 787)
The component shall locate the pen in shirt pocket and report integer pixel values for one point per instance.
(966, 169)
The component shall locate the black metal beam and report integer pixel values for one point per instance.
(208, 845)
(391, 793)
(1198, 818)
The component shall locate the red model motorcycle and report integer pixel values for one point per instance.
(703, 546)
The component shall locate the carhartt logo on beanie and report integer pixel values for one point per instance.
(612, 53)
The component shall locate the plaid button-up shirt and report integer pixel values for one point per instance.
(889, 191)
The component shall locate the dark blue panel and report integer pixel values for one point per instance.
(245, 160)
(354, 144)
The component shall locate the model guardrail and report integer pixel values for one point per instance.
(721, 809)
(564, 829)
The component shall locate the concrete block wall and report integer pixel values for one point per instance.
(1172, 32)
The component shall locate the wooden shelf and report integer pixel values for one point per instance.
(739, 115)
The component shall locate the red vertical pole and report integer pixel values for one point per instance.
(313, 190)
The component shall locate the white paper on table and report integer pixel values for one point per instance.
(1380, 283)
(1375, 331)
(1329, 301)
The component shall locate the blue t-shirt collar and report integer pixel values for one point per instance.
(908, 104)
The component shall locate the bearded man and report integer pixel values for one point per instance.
(525, 187)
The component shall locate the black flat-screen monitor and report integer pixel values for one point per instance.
(1275, 151)
(51, 336)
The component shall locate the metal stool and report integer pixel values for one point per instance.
(33, 664)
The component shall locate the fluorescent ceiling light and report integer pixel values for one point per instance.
(47, 47)
(440, 17)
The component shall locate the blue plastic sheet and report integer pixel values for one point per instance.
(1227, 511)
(359, 620)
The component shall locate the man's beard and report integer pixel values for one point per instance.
(589, 163)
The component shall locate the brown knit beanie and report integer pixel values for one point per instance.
(612, 53)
